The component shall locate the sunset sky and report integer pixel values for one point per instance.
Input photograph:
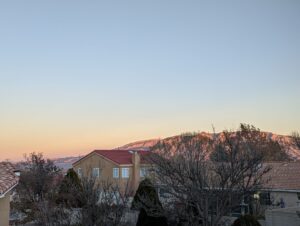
(81, 75)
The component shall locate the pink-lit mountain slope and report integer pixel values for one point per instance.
(66, 162)
(140, 145)
(285, 142)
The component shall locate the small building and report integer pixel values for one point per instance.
(9, 178)
(284, 216)
(282, 188)
(124, 167)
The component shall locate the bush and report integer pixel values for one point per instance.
(246, 220)
(146, 200)
(69, 190)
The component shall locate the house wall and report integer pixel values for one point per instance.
(290, 198)
(283, 217)
(106, 170)
(4, 210)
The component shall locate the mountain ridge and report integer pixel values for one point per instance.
(285, 142)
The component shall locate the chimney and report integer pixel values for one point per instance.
(136, 160)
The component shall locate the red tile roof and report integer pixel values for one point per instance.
(121, 156)
(8, 179)
(283, 176)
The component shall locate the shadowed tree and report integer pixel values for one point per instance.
(246, 220)
(204, 190)
(296, 139)
(69, 190)
(103, 203)
(255, 139)
(38, 183)
(147, 202)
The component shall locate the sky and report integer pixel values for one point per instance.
(82, 75)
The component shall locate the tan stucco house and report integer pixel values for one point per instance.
(124, 167)
(8, 180)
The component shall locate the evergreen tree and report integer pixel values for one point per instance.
(69, 190)
(246, 220)
(146, 200)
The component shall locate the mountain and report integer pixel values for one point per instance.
(140, 145)
(285, 142)
(66, 162)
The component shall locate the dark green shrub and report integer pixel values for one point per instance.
(69, 190)
(246, 220)
(146, 200)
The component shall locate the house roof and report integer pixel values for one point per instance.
(121, 157)
(8, 179)
(283, 176)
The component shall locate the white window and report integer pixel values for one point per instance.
(96, 172)
(115, 172)
(143, 172)
(125, 172)
(79, 172)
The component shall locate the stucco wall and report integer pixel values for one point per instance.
(106, 169)
(4, 210)
(282, 217)
(290, 198)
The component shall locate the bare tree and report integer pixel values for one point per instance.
(104, 202)
(51, 214)
(296, 139)
(42, 196)
(205, 190)
(38, 182)
(101, 203)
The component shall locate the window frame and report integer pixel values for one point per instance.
(143, 172)
(116, 172)
(79, 172)
(125, 169)
(96, 175)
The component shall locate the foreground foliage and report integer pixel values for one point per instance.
(246, 220)
(45, 197)
(203, 190)
(147, 202)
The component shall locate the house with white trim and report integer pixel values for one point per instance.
(124, 167)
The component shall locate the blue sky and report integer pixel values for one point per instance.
(78, 75)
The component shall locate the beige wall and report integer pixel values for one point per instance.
(106, 166)
(4, 210)
(106, 169)
(283, 217)
(290, 198)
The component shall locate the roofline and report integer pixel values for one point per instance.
(95, 151)
(74, 163)
(281, 190)
(2, 195)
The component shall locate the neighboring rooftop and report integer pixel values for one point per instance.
(283, 176)
(8, 178)
(119, 156)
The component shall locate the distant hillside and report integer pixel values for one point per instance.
(66, 162)
(140, 145)
(285, 142)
